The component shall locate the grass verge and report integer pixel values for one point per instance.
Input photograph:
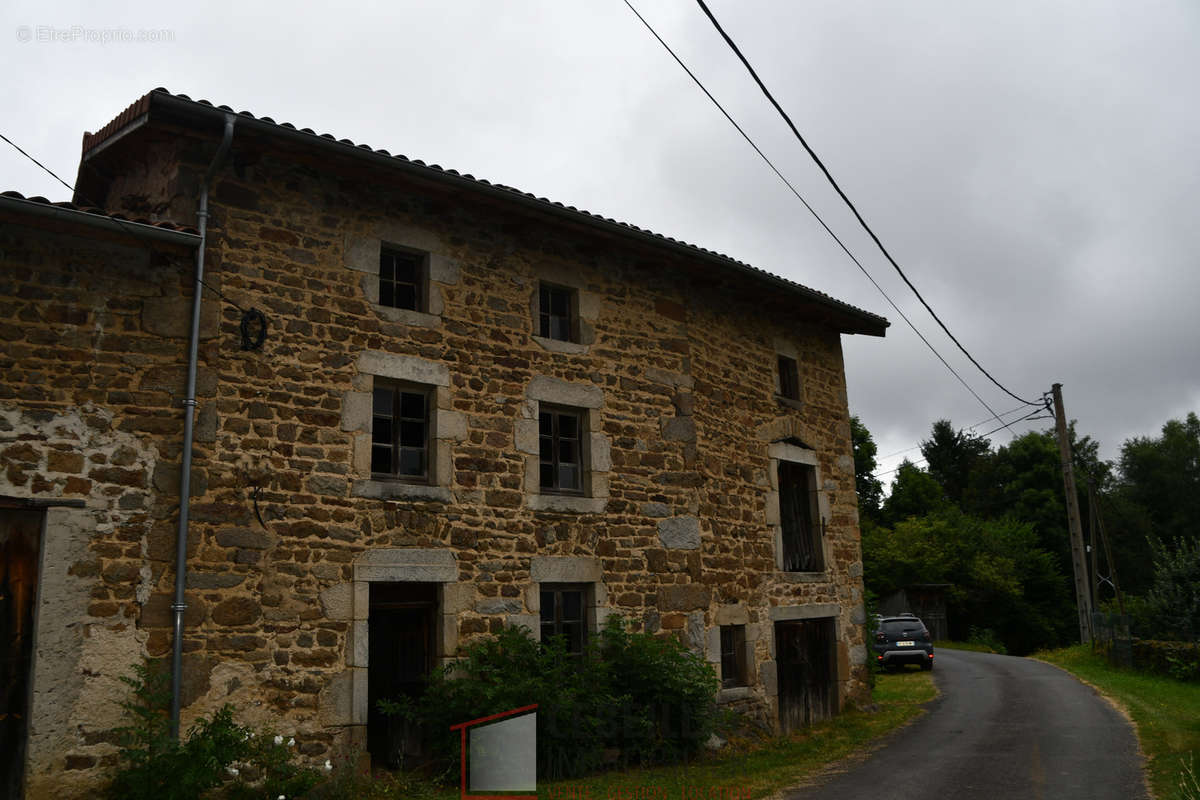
(761, 768)
(1165, 711)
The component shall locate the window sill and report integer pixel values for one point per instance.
(394, 490)
(559, 346)
(406, 316)
(566, 503)
(803, 577)
(798, 405)
(734, 693)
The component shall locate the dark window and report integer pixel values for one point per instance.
(733, 662)
(563, 615)
(798, 518)
(556, 313)
(789, 378)
(401, 280)
(400, 432)
(559, 439)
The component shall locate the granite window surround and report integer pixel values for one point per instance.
(585, 309)
(596, 447)
(446, 426)
(789, 396)
(363, 251)
(736, 615)
(785, 451)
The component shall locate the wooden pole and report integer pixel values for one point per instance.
(1083, 600)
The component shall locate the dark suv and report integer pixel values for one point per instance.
(903, 640)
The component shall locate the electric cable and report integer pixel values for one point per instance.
(251, 316)
(848, 202)
(810, 209)
(1031, 417)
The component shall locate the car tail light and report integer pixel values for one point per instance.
(881, 637)
(926, 636)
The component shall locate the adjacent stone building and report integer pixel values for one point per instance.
(468, 408)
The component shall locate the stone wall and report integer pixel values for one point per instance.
(93, 326)
(675, 366)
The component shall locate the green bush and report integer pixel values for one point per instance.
(630, 698)
(1178, 660)
(986, 637)
(1174, 600)
(218, 757)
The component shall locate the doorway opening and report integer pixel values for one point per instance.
(806, 662)
(400, 655)
(20, 543)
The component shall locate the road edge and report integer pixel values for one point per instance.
(839, 766)
(1120, 708)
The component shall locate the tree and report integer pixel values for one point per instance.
(998, 576)
(1162, 475)
(914, 494)
(951, 457)
(1175, 598)
(868, 487)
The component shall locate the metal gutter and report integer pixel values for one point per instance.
(189, 404)
(139, 229)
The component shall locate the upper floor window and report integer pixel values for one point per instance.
(401, 279)
(556, 312)
(560, 437)
(562, 614)
(798, 516)
(789, 378)
(400, 432)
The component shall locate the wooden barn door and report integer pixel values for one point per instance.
(20, 536)
(806, 663)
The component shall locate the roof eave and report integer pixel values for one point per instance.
(847, 318)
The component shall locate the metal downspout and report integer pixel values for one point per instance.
(189, 404)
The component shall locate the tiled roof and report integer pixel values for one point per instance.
(873, 323)
(97, 212)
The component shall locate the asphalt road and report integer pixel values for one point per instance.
(1004, 727)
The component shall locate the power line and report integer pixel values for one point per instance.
(141, 242)
(812, 211)
(968, 428)
(1033, 415)
(849, 204)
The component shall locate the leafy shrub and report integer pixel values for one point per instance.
(1174, 600)
(986, 637)
(1178, 660)
(352, 780)
(212, 759)
(630, 698)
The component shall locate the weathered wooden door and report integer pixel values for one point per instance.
(20, 536)
(806, 663)
(400, 655)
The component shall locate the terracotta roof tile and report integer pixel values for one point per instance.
(160, 95)
(167, 226)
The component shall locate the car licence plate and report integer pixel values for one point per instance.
(904, 644)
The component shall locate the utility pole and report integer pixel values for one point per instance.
(1083, 599)
(1092, 543)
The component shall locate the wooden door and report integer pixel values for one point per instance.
(20, 536)
(806, 664)
(400, 656)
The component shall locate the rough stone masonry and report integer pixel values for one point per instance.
(673, 369)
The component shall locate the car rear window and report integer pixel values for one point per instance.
(900, 625)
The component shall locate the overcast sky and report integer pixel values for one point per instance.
(1034, 167)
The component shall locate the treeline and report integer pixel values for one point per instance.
(992, 523)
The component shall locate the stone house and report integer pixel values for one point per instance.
(462, 407)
